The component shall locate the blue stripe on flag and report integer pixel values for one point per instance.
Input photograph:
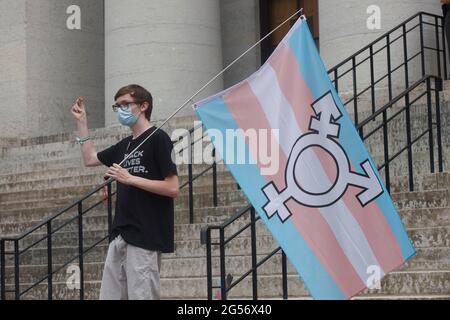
(313, 71)
(215, 115)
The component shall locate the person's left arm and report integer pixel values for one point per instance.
(168, 187)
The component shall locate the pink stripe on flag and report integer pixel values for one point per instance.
(372, 221)
(317, 233)
(377, 230)
(294, 87)
(247, 113)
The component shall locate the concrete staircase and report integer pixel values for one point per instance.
(40, 176)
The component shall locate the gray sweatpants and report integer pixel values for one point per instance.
(130, 273)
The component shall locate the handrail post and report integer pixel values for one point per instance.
(109, 202)
(284, 275)
(214, 168)
(422, 49)
(254, 256)
(372, 80)
(355, 89)
(389, 65)
(336, 83)
(385, 127)
(444, 49)
(438, 125)
(81, 248)
(16, 270)
(209, 274)
(430, 126)
(387, 176)
(438, 47)
(2, 270)
(407, 112)
(191, 185)
(49, 261)
(223, 283)
(191, 195)
(405, 56)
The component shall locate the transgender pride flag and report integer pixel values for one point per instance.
(325, 204)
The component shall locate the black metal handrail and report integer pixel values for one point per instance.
(429, 90)
(383, 45)
(48, 223)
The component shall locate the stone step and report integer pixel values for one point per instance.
(67, 151)
(61, 199)
(181, 215)
(418, 112)
(58, 150)
(43, 175)
(68, 236)
(70, 154)
(51, 190)
(269, 286)
(403, 200)
(420, 164)
(97, 217)
(431, 181)
(201, 199)
(204, 199)
(87, 184)
(65, 182)
(95, 227)
(412, 219)
(422, 199)
(19, 168)
(437, 237)
(116, 132)
(418, 119)
(427, 182)
(426, 259)
(97, 220)
(428, 217)
(375, 142)
(70, 177)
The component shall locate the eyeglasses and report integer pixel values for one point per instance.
(123, 107)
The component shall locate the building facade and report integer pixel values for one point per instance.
(171, 47)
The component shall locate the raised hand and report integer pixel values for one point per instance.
(78, 110)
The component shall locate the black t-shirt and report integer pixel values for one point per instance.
(144, 219)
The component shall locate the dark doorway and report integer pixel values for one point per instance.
(274, 12)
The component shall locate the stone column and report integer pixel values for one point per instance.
(240, 30)
(170, 47)
(12, 63)
(343, 31)
(45, 66)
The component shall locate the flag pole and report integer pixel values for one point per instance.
(204, 87)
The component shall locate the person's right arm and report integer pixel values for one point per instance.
(87, 149)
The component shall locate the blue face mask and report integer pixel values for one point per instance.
(127, 118)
